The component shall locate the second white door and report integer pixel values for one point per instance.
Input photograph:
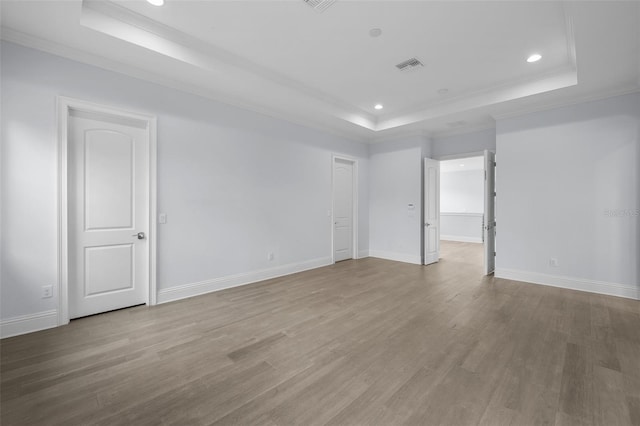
(431, 211)
(342, 210)
(108, 213)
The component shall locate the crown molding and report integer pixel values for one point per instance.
(638, 30)
(559, 78)
(398, 135)
(77, 55)
(124, 24)
(464, 130)
(568, 102)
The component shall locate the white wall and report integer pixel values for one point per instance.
(395, 182)
(234, 184)
(466, 143)
(568, 186)
(461, 205)
(462, 191)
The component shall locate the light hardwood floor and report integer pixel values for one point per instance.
(366, 342)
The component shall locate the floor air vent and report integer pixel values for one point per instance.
(410, 64)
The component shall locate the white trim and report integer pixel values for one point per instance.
(195, 289)
(28, 323)
(64, 106)
(460, 239)
(71, 53)
(398, 257)
(460, 156)
(463, 214)
(153, 211)
(581, 284)
(62, 112)
(354, 223)
(363, 253)
(557, 104)
(456, 131)
(394, 135)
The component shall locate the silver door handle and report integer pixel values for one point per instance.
(427, 224)
(140, 235)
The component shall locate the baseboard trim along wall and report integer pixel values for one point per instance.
(398, 257)
(363, 253)
(591, 286)
(28, 323)
(195, 289)
(460, 239)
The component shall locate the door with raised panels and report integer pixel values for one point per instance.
(489, 212)
(342, 210)
(108, 213)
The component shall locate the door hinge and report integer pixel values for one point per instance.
(495, 164)
(494, 254)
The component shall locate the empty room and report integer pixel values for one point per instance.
(319, 212)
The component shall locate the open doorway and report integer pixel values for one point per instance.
(467, 210)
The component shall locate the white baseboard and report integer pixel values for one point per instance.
(195, 289)
(461, 239)
(363, 254)
(398, 257)
(581, 284)
(28, 323)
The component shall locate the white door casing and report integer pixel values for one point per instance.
(344, 207)
(431, 211)
(108, 171)
(489, 228)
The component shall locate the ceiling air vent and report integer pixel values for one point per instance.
(410, 64)
(320, 5)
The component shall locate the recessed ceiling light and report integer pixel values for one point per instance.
(378, 106)
(375, 32)
(461, 165)
(156, 2)
(534, 58)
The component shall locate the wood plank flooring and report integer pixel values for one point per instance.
(366, 342)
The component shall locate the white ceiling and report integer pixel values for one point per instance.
(323, 69)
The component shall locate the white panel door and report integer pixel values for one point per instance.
(342, 210)
(489, 212)
(431, 211)
(108, 213)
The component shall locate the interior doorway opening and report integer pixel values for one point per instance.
(466, 209)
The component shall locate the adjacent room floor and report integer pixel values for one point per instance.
(366, 342)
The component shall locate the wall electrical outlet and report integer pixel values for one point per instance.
(270, 256)
(47, 291)
(162, 218)
(553, 262)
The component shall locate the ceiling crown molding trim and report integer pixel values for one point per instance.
(119, 22)
(569, 31)
(81, 56)
(399, 135)
(568, 102)
(638, 38)
(557, 79)
(464, 130)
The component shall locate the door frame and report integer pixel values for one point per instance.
(354, 194)
(423, 216)
(64, 107)
(470, 155)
